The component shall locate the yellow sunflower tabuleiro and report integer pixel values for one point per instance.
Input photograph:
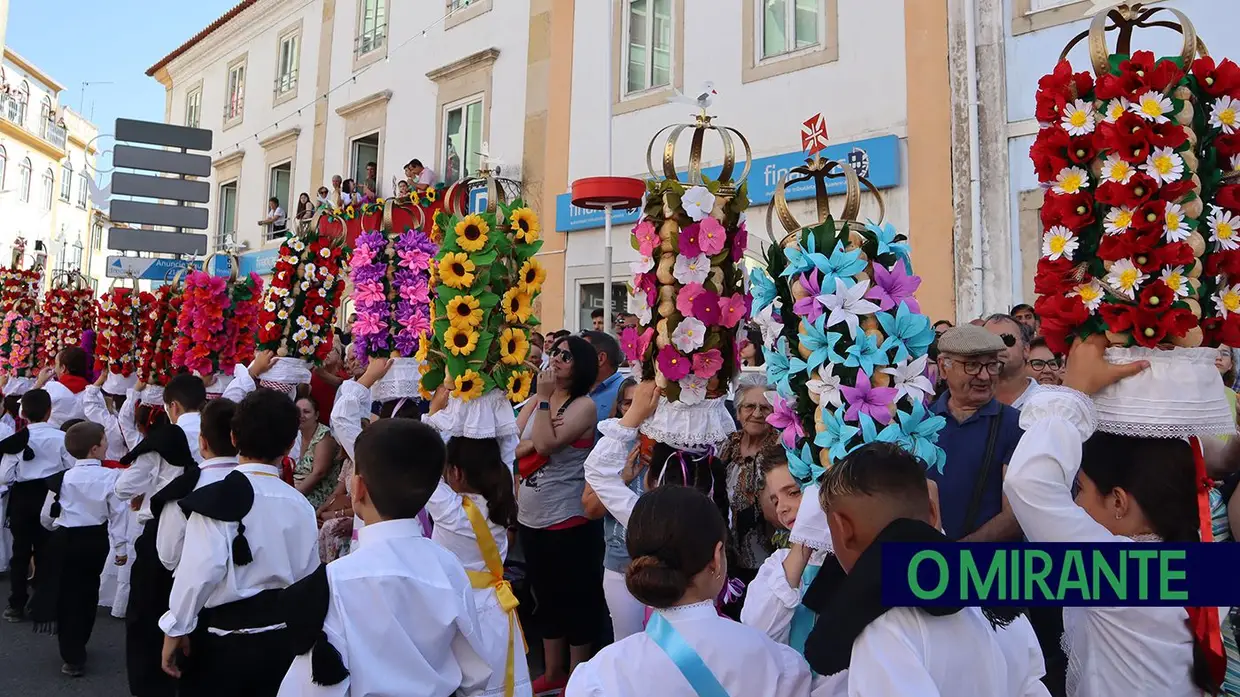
(461, 342)
(467, 386)
(513, 346)
(516, 306)
(456, 270)
(531, 277)
(464, 312)
(519, 386)
(525, 225)
(472, 233)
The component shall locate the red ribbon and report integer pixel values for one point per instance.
(1204, 621)
(73, 382)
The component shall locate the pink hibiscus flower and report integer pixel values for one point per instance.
(712, 236)
(707, 363)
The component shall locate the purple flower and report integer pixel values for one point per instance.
(706, 307)
(809, 307)
(785, 419)
(407, 343)
(862, 398)
(370, 272)
(369, 292)
(690, 239)
(891, 287)
(417, 292)
(740, 242)
(420, 322)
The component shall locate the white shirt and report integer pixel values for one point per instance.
(96, 410)
(87, 499)
(402, 616)
(1112, 651)
(603, 468)
(170, 539)
(50, 456)
(351, 406)
(1028, 394)
(744, 661)
(191, 423)
(65, 404)
(150, 473)
(283, 535)
(277, 216)
(770, 602)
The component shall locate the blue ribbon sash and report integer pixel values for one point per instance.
(803, 618)
(703, 682)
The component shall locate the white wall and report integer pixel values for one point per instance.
(861, 95)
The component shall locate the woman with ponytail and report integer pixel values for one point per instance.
(677, 538)
(1132, 489)
(473, 508)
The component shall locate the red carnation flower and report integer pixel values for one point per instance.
(1224, 262)
(1053, 277)
(1219, 79)
(1047, 153)
(1228, 197)
(1116, 247)
(1134, 194)
(1073, 211)
(1227, 145)
(1061, 316)
(1059, 88)
(1174, 254)
(1117, 317)
(1156, 297)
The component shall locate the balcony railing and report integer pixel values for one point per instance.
(233, 109)
(44, 127)
(286, 83)
(369, 40)
(12, 110)
(54, 133)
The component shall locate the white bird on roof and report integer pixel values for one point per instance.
(702, 100)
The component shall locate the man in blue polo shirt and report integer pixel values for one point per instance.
(979, 438)
(608, 382)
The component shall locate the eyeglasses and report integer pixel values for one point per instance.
(1008, 340)
(975, 367)
(1040, 365)
(761, 409)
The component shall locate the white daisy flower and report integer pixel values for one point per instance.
(1224, 228)
(1152, 106)
(1115, 109)
(1078, 118)
(1227, 299)
(1118, 170)
(1175, 224)
(1071, 180)
(1125, 278)
(1175, 280)
(269, 306)
(1225, 115)
(1164, 165)
(1091, 294)
(689, 334)
(1059, 242)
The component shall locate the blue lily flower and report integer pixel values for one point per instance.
(887, 243)
(803, 467)
(803, 260)
(762, 288)
(842, 265)
(835, 434)
(921, 430)
(865, 354)
(870, 433)
(908, 333)
(781, 366)
(820, 342)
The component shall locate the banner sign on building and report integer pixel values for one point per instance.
(260, 262)
(876, 159)
(145, 268)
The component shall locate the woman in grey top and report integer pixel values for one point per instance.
(563, 548)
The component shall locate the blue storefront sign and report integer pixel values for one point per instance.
(876, 159)
(260, 262)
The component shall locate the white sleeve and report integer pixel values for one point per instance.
(204, 564)
(352, 405)
(795, 677)
(67, 461)
(604, 466)
(241, 384)
(830, 685)
(469, 647)
(127, 421)
(170, 538)
(446, 509)
(1039, 479)
(45, 514)
(1026, 660)
(770, 602)
(118, 520)
(8, 469)
(96, 410)
(139, 478)
(884, 662)
(62, 403)
(584, 682)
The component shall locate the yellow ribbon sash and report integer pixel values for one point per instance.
(493, 578)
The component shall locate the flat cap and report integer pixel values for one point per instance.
(968, 340)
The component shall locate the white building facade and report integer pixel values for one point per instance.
(47, 153)
(297, 92)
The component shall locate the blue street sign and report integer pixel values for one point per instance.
(260, 262)
(146, 269)
(876, 159)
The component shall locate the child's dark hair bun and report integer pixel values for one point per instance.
(654, 583)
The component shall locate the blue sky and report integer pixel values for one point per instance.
(107, 41)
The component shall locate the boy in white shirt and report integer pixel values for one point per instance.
(247, 537)
(82, 511)
(72, 367)
(877, 494)
(429, 636)
(30, 455)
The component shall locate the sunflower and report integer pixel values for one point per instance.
(456, 270)
(461, 342)
(424, 347)
(464, 312)
(513, 346)
(516, 306)
(429, 195)
(471, 232)
(519, 386)
(431, 268)
(436, 233)
(531, 277)
(468, 386)
(525, 222)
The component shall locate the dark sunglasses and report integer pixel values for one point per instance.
(1008, 340)
(562, 354)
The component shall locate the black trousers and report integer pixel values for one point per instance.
(86, 552)
(149, 586)
(565, 571)
(25, 502)
(237, 665)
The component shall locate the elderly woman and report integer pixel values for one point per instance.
(749, 454)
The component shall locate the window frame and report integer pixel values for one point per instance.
(4, 166)
(220, 233)
(378, 35)
(463, 104)
(25, 173)
(48, 183)
(755, 67)
(272, 234)
(648, 77)
(624, 102)
(1026, 19)
(66, 180)
(96, 235)
(83, 189)
(234, 104)
(286, 87)
(23, 102)
(193, 106)
(790, 23)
